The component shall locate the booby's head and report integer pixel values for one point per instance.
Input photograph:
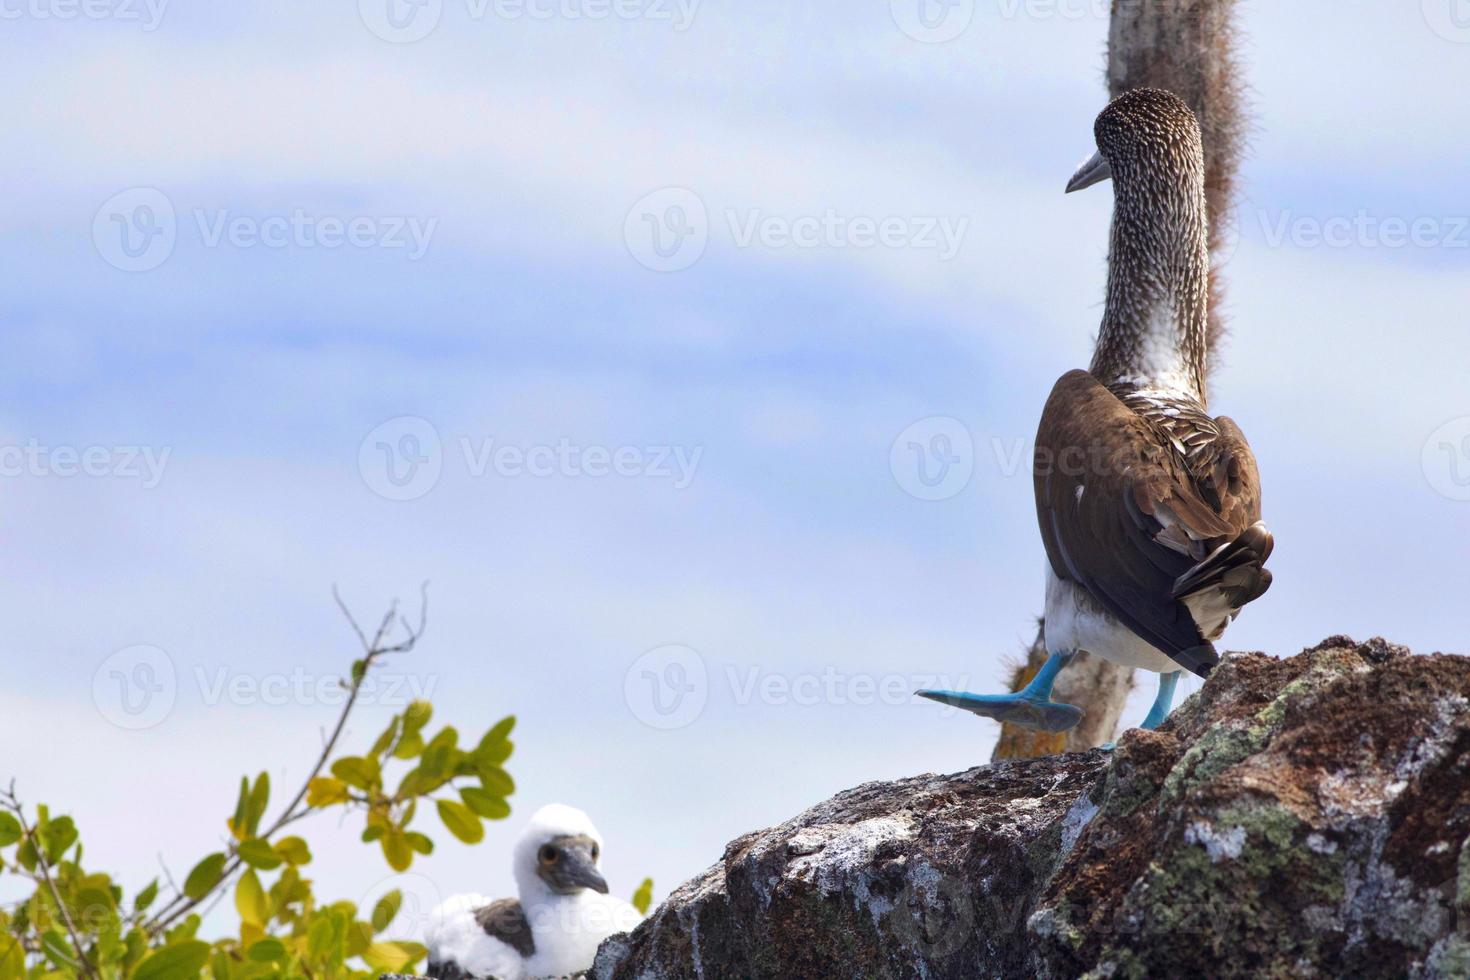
(1144, 135)
(558, 855)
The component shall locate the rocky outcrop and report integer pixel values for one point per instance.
(1302, 817)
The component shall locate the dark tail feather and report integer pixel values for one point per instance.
(1198, 660)
(1234, 568)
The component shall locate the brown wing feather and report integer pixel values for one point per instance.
(1132, 508)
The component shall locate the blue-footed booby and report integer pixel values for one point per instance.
(1150, 509)
(563, 914)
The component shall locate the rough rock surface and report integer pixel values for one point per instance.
(1304, 817)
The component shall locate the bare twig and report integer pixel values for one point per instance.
(373, 650)
(12, 803)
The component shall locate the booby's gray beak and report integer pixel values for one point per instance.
(569, 864)
(1094, 171)
(578, 871)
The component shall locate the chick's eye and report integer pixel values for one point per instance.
(595, 852)
(548, 855)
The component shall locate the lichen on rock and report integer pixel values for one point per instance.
(1303, 817)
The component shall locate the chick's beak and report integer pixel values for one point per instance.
(1094, 171)
(580, 870)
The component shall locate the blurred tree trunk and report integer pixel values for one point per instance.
(1188, 48)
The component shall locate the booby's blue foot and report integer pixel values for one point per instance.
(1029, 708)
(1163, 702)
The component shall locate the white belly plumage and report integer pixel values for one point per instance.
(1075, 621)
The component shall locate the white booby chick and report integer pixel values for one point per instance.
(563, 914)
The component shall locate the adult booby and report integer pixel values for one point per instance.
(1150, 509)
(563, 914)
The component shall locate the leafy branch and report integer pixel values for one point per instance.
(34, 852)
(216, 870)
(284, 930)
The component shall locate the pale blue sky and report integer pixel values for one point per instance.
(793, 552)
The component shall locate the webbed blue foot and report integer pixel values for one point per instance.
(1041, 714)
(1030, 708)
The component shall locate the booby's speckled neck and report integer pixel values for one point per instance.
(1153, 331)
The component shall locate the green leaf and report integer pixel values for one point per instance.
(250, 900)
(145, 897)
(321, 940)
(409, 746)
(179, 961)
(10, 830)
(393, 957)
(396, 850)
(487, 805)
(267, 950)
(420, 843)
(58, 950)
(386, 910)
(496, 780)
(205, 876)
(260, 797)
(242, 811)
(293, 851)
(643, 897)
(417, 716)
(326, 791)
(496, 746)
(258, 854)
(58, 834)
(386, 739)
(358, 772)
(439, 757)
(461, 821)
